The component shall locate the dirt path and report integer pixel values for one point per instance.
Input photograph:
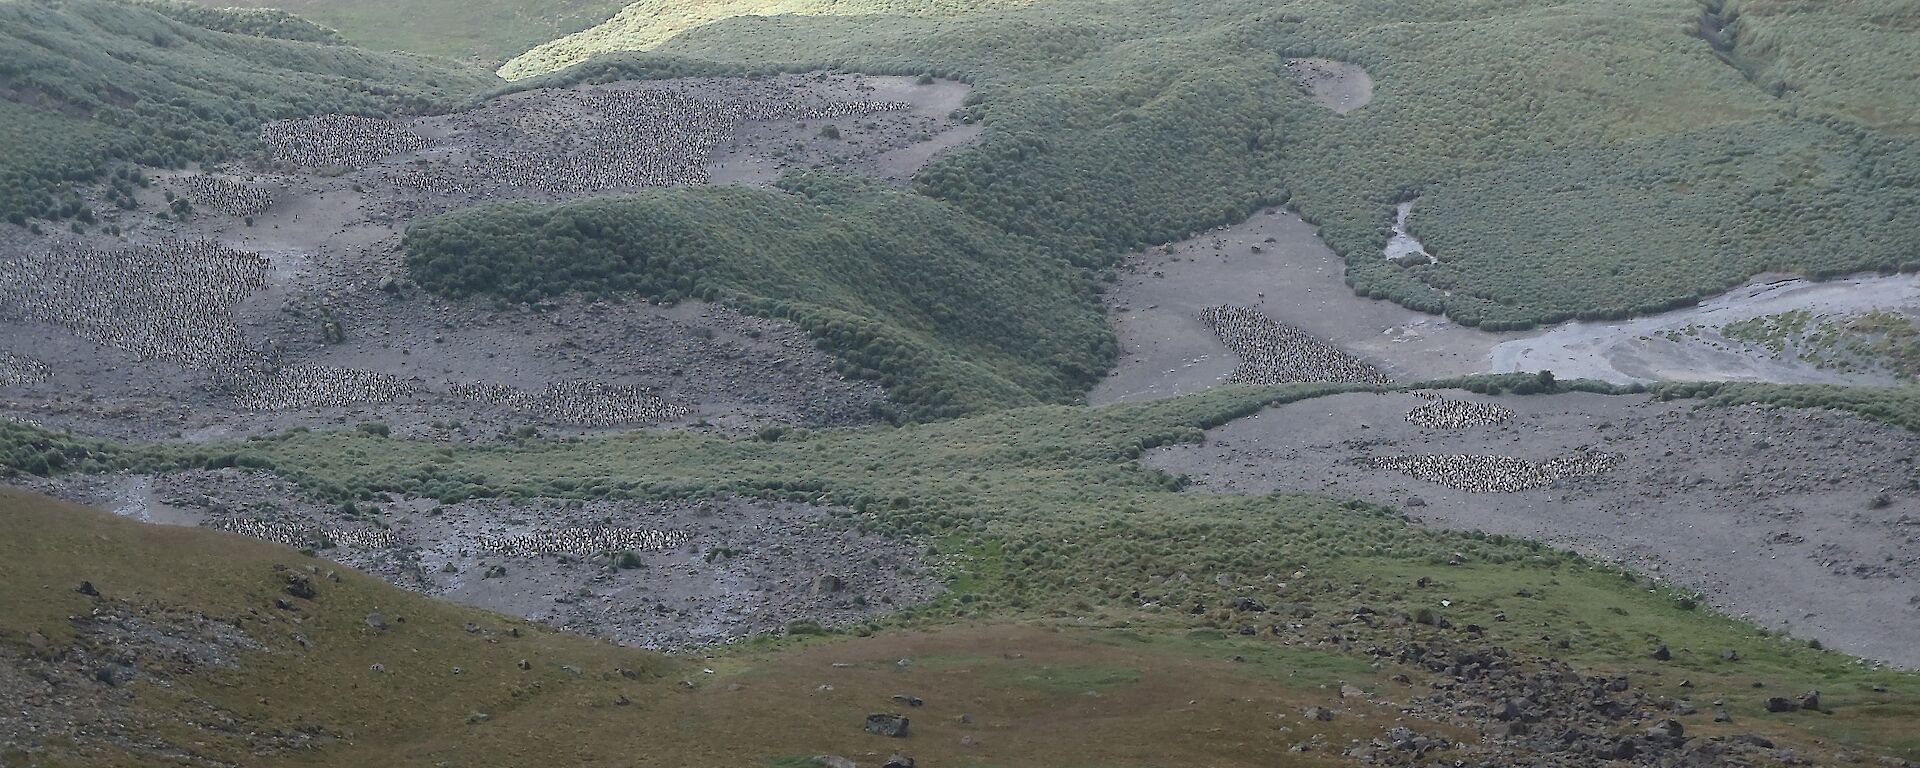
(1808, 521)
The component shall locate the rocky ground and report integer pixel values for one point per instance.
(297, 310)
(1808, 521)
(658, 575)
(1341, 86)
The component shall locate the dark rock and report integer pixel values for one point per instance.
(301, 587)
(894, 726)
(1730, 655)
(1667, 730)
(1721, 715)
(283, 604)
(1782, 704)
(898, 761)
(911, 701)
(1810, 700)
(1662, 654)
(1249, 605)
(87, 588)
(1508, 709)
(827, 584)
(1415, 501)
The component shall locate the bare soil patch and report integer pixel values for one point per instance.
(1337, 85)
(1808, 521)
(657, 575)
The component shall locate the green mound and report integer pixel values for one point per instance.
(1567, 161)
(89, 84)
(952, 315)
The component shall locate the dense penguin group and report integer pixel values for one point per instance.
(1441, 413)
(577, 403)
(16, 370)
(582, 541)
(227, 196)
(168, 301)
(1496, 474)
(337, 141)
(1274, 353)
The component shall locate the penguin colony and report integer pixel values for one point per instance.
(1275, 353)
(170, 301)
(1441, 413)
(583, 542)
(1495, 474)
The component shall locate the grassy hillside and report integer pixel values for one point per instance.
(483, 31)
(645, 24)
(1043, 512)
(953, 316)
(86, 85)
(1568, 160)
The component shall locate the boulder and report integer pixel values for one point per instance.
(889, 725)
(1661, 653)
(301, 587)
(1782, 704)
(1810, 700)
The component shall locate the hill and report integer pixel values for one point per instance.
(488, 32)
(91, 85)
(1652, 153)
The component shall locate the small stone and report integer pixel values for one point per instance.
(833, 761)
(525, 665)
(1661, 653)
(376, 621)
(898, 761)
(911, 701)
(87, 588)
(1782, 704)
(1321, 714)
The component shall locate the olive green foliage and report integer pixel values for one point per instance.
(87, 85)
(951, 314)
(1869, 341)
(257, 22)
(1575, 161)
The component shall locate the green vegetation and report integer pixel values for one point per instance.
(89, 85)
(952, 315)
(1869, 341)
(1045, 512)
(1585, 161)
(485, 31)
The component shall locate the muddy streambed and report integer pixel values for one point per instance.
(1276, 264)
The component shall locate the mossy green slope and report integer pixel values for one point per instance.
(951, 315)
(1570, 160)
(88, 84)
